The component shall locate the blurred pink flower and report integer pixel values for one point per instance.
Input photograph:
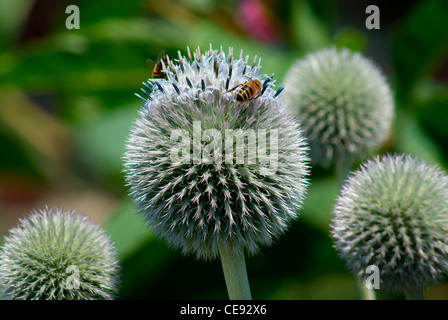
(253, 17)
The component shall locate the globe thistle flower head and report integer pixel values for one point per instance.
(57, 254)
(393, 213)
(246, 190)
(343, 102)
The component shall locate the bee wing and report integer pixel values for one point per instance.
(162, 53)
(150, 64)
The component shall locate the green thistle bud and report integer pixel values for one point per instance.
(56, 254)
(393, 213)
(202, 202)
(344, 104)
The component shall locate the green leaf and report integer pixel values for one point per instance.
(19, 159)
(12, 13)
(319, 202)
(431, 108)
(143, 258)
(101, 143)
(93, 12)
(332, 286)
(127, 230)
(352, 39)
(310, 34)
(412, 139)
(157, 33)
(419, 42)
(56, 67)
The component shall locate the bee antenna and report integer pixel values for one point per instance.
(279, 90)
(176, 88)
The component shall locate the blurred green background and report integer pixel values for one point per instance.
(67, 102)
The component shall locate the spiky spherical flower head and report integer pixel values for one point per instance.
(241, 175)
(58, 254)
(393, 213)
(343, 102)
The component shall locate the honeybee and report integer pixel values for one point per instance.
(156, 68)
(251, 89)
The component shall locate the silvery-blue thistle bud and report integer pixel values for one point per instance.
(58, 254)
(393, 213)
(242, 174)
(344, 104)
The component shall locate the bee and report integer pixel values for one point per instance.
(250, 90)
(156, 68)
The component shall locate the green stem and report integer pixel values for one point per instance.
(235, 274)
(342, 171)
(413, 294)
(366, 294)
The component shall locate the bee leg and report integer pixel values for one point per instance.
(257, 96)
(233, 88)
